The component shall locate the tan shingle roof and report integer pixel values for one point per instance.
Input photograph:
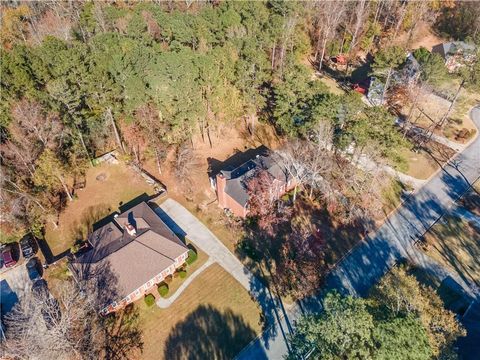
(122, 263)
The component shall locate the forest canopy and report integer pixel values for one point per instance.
(80, 78)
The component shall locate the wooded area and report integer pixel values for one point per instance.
(80, 78)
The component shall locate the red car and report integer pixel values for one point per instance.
(7, 256)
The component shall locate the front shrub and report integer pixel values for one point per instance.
(182, 274)
(163, 289)
(192, 257)
(149, 299)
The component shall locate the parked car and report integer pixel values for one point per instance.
(34, 269)
(28, 245)
(7, 256)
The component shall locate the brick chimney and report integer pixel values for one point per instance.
(221, 183)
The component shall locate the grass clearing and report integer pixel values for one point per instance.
(97, 200)
(392, 195)
(213, 318)
(332, 85)
(420, 165)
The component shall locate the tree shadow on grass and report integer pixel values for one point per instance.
(123, 336)
(208, 333)
(89, 219)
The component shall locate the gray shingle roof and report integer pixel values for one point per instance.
(235, 180)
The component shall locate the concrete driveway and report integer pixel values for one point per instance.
(13, 284)
(184, 223)
(180, 219)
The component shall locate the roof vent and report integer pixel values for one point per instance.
(130, 229)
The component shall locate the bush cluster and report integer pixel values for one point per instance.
(163, 289)
(149, 299)
(192, 257)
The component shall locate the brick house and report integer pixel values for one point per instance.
(230, 182)
(128, 256)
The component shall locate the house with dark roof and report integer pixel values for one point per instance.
(230, 183)
(128, 256)
(456, 54)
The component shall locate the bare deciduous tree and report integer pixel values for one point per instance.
(43, 327)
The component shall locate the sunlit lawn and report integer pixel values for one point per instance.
(95, 201)
(213, 318)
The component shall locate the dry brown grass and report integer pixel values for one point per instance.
(420, 165)
(193, 320)
(177, 281)
(454, 243)
(95, 201)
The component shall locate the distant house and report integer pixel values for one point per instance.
(128, 256)
(410, 71)
(375, 91)
(230, 183)
(456, 54)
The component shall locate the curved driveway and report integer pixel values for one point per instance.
(366, 264)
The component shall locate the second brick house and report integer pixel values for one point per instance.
(230, 182)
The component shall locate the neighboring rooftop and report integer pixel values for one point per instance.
(236, 178)
(452, 48)
(133, 248)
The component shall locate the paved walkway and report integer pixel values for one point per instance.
(165, 303)
(367, 263)
(438, 138)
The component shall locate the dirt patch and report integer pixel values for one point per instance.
(101, 177)
(422, 36)
(196, 193)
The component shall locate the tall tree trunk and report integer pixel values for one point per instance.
(82, 141)
(65, 187)
(273, 54)
(358, 24)
(442, 122)
(157, 158)
(320, 64)
(115, 130)
(387, 83)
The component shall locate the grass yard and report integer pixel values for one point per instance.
(98, 199)
(431, 108)
(420, 165)
(332, 85)
(455, 242)
(214, 318)
(392, 195)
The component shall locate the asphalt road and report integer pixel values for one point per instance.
(393, 241)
